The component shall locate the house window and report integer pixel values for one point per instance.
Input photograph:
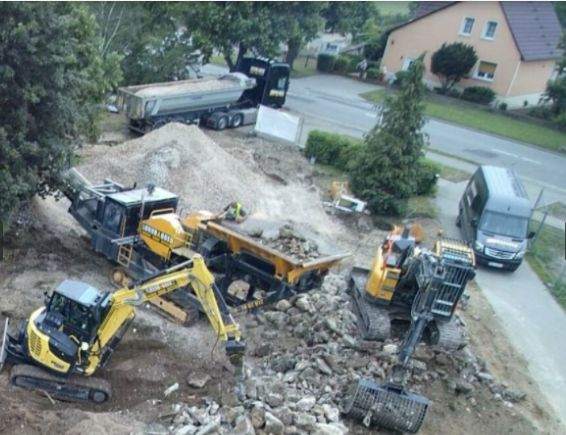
(489, 30)
(486, 71)
(467, 26)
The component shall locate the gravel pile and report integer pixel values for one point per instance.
(184, 160)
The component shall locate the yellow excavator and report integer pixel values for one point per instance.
(413, 286)
(61, 345)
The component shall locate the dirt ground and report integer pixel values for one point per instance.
(48, 246)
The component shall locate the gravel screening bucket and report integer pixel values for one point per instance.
(387, 406)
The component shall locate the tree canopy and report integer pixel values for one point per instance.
(387, 169)
(51, 80)
(453, 61)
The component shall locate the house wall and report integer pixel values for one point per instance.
(531, 75)
(512, 77)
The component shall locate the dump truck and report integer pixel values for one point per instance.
(140, 231)
(228, 101)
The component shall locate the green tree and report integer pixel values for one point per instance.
(234, 26)
(301, 21)
(51, 81)
(451, 62)
(145, 38)
(556, 95)
(348, 17)
(386, 170)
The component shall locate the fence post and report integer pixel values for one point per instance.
(538, 199)
(537, 232)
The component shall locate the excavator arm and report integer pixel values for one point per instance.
(195, 274)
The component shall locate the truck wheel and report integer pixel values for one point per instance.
(222, 123)
(159, 124)
(237, 120)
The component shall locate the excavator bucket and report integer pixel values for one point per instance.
(386, 406)
(4, 345)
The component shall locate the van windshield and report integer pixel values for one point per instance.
(504, 224)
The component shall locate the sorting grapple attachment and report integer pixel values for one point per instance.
(388, 406)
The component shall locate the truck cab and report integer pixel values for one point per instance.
(494, 215)
(272, 80)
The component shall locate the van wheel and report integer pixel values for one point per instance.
(459, 220)
(513, 268)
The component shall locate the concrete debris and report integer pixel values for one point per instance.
(299, 389)
(171, 389)
(197, 381)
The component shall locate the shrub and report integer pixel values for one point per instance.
(325, 62)
(542, 112)
(374, 74)
(332, 149)
(353, 59)
(560, 120)
(426, 177)
(503, 107)
(454, 93)
(342, 64)
(400, 76)
(478, 94)
(373, 64)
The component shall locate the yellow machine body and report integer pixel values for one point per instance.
(122, 310)
(382, 279)
(163, 233)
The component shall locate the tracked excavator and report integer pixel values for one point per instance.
(384, 295)
(61, 345)
(432, 282)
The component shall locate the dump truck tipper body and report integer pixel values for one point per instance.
(220, 102)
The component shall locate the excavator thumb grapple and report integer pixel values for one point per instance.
(388, 406)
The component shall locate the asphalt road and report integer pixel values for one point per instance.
(333, 103)
(533, 321)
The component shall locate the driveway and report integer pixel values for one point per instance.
(532, 319)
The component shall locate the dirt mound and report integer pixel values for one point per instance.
(184, 160)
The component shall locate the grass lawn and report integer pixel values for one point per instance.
(304, 67)
(547, 259)
(421, 207)
(492, 122)
(217, 59)
(392, 8)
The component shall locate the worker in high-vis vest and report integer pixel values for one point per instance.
(234, 212)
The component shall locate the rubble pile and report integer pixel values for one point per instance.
(292, 244)
(304, 356)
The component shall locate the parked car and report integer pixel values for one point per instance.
(494, 215)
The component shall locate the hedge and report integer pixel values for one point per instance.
(332, 149)
(342, 64)
(478, 94)
(325, 62)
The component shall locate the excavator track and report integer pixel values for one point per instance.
(373, 321)
(450, 335)
(71, 389)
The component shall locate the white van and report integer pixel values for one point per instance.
(494, 215)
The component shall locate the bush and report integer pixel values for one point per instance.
(325, 62)
(373, 64)
(427, 176)
(374, 74)
(560, 120)
(342, 64)
(353, 59)
(332, 149)
(541, 112)
(400, 76)
(503, 107)
(478, 94)
(454, 93)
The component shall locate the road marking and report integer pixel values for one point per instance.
(505, 153)
(526, 159)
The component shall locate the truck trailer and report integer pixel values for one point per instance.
(228, 101)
